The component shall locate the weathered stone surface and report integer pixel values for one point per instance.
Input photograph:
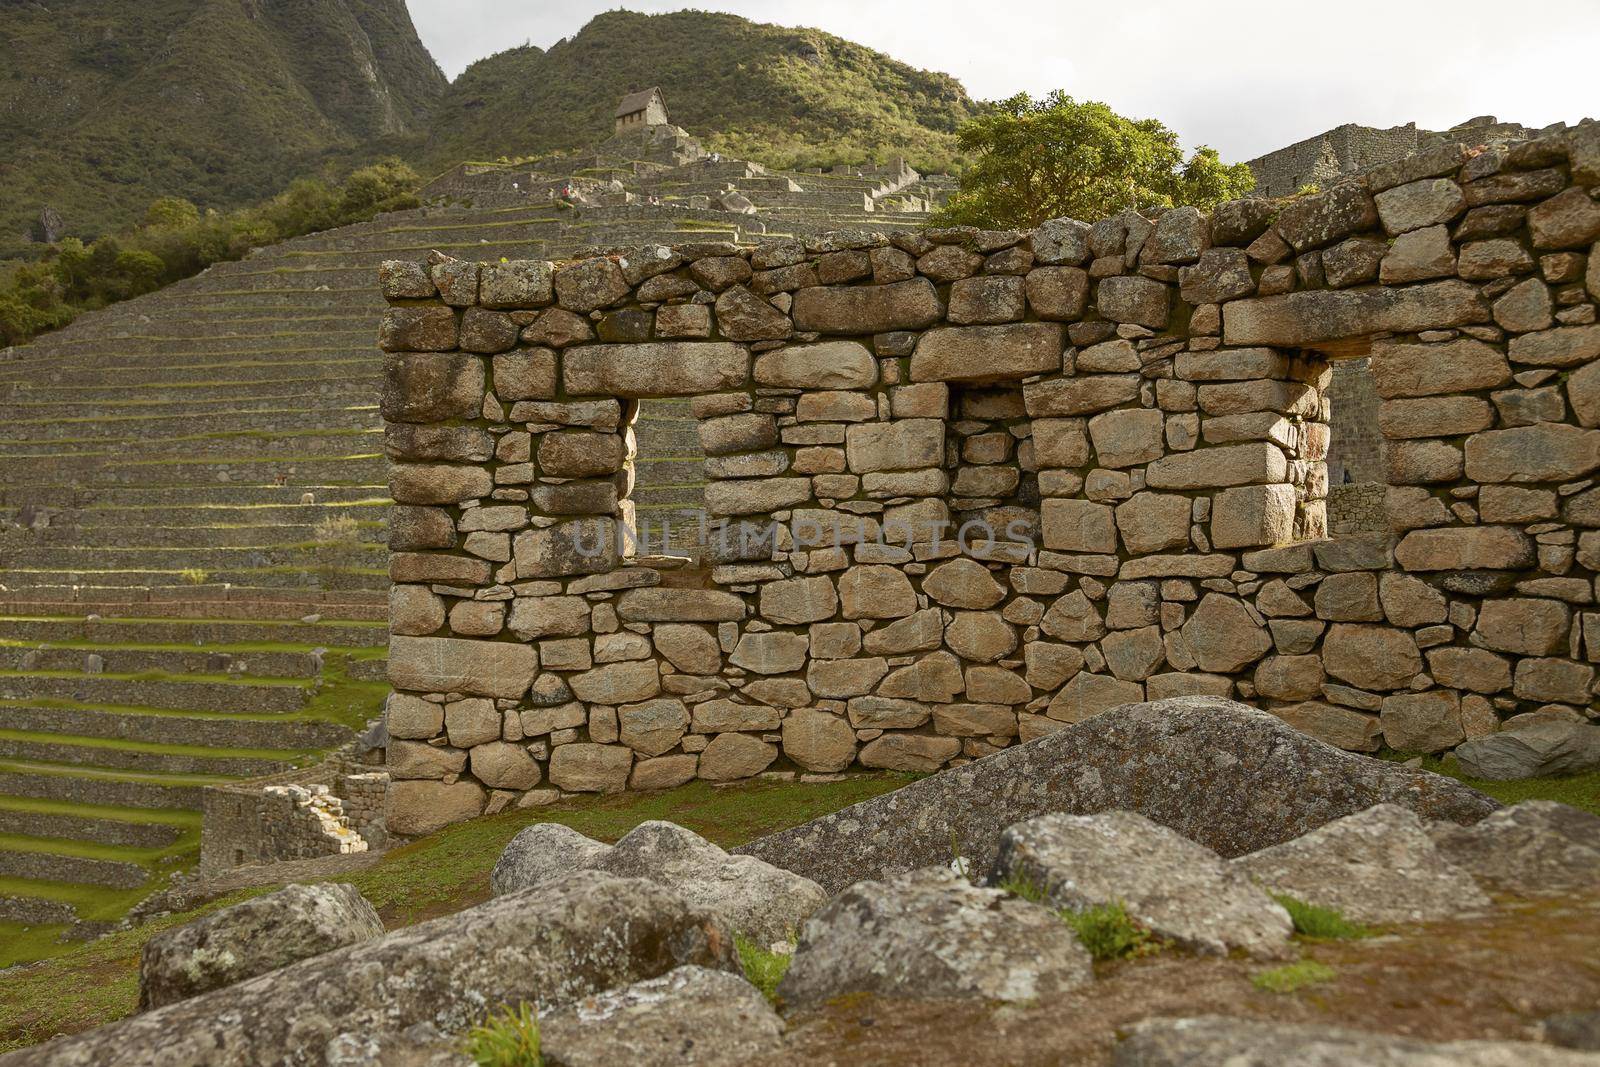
(577, 546)
(1089, 694)
(689, 1015)
(588, 767)
(680, 605)
(664, 368)
(903, 444)
(1320, 219)
(828, 365)
(1252, 515)
(1371, 657)
(1570, 219)
(540, 853)
(1418, 256)
(431, 386)
(520, 283)
(1061, 241)
(504, 765)
(1464, 365)
(589, 284)
(1314, 316)
(1537, 846)
(730, 756)
(963, 583)
(1153, 522)
(551, 946)
(1418, 204)
(1059, 293)
(819, 741)
(1527, 626)
(1340, 727)
(444, 664)
(1222, 635)
(1132, 298)
(417, 329)
(917, 753)
(251, 938)
(1245, 1043)
(1177, 889)
(876, 591)
(931, 935)
(750, 896)
(907, 305)
(1259, 462)
(1080, 395)
(744, 316)
(1222, 774)
(579, 454)
(417, 808)
(1538, 746)
(1548, 452)
(1465, 548)
(770, 653)
(654, 727)
(987, 353)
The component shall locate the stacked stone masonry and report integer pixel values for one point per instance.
(1135, 410)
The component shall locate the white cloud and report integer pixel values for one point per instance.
(1243, 76)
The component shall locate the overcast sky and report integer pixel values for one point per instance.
(1244, 77)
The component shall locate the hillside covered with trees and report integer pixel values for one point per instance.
(106, 105)
(786, 97)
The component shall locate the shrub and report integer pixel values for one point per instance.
(510, 1039)
(763, 968)
(1292, 977)
(1109, 932)
(1322, 924)
(194, 575)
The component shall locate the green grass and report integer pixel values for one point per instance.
(509, 1039)
(1109, 932)
(1292, 977)
(1318, 923)
(1578, 790)
(763, 968)
(95, 983)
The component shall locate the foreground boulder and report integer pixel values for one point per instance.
(690, 1015)
(1376, 866)
(541, 852)
(1222, 774)
(932, 934)
(252, 938)
(1534, 847)
(1242, 1043)
(755, 898)
(549, 947)
(1531, 746)
(1179, 890)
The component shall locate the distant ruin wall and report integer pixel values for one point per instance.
(1136, 412)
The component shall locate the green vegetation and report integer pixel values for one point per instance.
(1020, 883)
(785, 97)
(509, 1039)
(763, 967)
(1318, 923)
(1109, 932)
(112, 104)
(176, 241)
(1045, 159)
(95, 983)
(1578, 790)
(1292, 977)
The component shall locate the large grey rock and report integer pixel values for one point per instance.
(1246, 1043)
(1179, 890)
(1228, 776)
(252, 938)
(1376, 866)
(688, 1016)
(1532, 847)
(1573, 1029)
(549, 946)
(1539, 745)
(541, 852)
(755, 898)
(932, 934)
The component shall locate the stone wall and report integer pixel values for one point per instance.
(337, 806)
(1128, 420)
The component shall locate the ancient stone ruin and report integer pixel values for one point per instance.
(968, 487)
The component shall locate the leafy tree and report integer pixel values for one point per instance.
(1057, 157)
(170, 212)
(177, 241)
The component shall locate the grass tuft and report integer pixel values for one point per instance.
(1020, 883)
(763, 968)
(510, 1039)
(1109, 932)
(1293, 977)
(1319, 923)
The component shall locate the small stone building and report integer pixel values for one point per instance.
(646, 107)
